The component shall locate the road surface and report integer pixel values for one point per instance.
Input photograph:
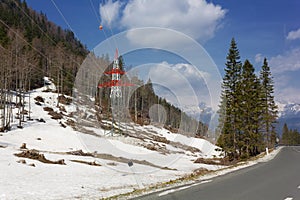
(278, 179)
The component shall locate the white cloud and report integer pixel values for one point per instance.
(109, 12)
(185, 83)
(289, 61)
(258, 58)
(289, 94)
(190, 71)
(293, 35)
(155, 37)
(196, 18)
(286, 72)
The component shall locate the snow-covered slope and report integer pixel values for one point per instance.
(93, 165)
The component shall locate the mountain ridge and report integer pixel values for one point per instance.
(289, 113)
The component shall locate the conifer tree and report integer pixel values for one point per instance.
(289, 136)
(285, 134)
(269, 110)
(249, 112)
(229, 102)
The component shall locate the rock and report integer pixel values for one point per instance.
(39, 99)
(23, 146)
(22, 161)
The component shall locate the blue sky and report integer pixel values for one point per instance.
(261, 28)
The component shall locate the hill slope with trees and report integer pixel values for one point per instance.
(32, 47)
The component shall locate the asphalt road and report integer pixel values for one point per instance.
(278, 179)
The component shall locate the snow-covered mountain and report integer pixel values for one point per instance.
(288, 113)
(203, 113)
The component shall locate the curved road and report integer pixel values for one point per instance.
(278, 179)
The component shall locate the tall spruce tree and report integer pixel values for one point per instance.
(249, 112)
(269, 110)
(228, 119)
(285, 134)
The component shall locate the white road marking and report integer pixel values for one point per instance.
(299, 187)
(202, 182)
(296, 149)
(182, 188)
(288, 198)
(172, 190)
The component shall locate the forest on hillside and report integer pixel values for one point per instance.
(35, 47)
(290, 136)
(32, 47)
(139, 103)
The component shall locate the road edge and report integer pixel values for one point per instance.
(191, 179)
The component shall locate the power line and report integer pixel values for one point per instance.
(39, 52)
(55, 43)
(61, 14)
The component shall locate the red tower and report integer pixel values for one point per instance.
(115, 82)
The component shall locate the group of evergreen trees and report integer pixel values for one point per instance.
(289, 136)
(247, 110)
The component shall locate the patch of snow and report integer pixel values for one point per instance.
(80, 180)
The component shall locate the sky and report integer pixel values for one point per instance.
(261, 29)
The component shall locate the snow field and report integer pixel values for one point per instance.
(81, 180)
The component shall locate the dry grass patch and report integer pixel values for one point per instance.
(80, 153)
(160, 139)
(200, 171)
(214, 161)
(48, 109)
(35, 155)
(86, 162)
(55, 115)
(64, 100)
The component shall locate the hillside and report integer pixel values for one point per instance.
(33, 47)
(48, 158)
(55, 144)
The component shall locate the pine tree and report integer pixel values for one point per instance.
(269, 110)
(289, 136)
(249, 112)
(285, 134)
(228, 139)
(294, 137)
